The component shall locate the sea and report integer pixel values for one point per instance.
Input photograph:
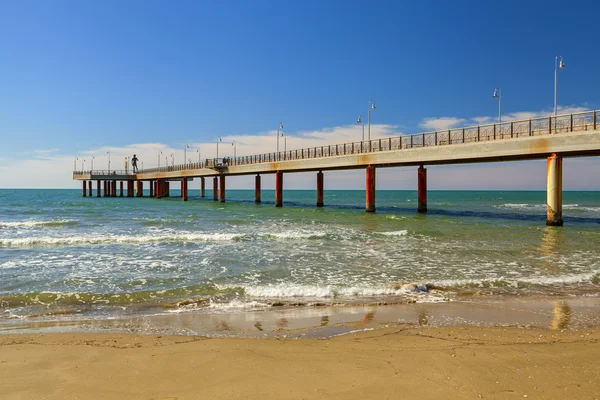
(66, 260)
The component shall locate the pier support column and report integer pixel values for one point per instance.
(120, 188)
(98, 193)
(167, 189)
(139, 186)
(129, 188)
(215, 189)
(422, 189)
(320, 189)
(90, 188)
(151, 188)
(370, 189)
(222, 188)
(83, 191)
(157, 188)
(202, 187)
(554, 191)
(113, 192)
(257, 199)
(184, 189)
(105, 187)
(279, 189)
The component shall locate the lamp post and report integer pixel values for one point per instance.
(108, 152)
(557, 65)
(280, 127)
(83, 165)
(220, 140)
(172, 159)
(371, 107)
(185, 154)
(498, 95)
(159, 153)
(284, 141)
(126, 164)
(234, 144)
(92, 167)
(360, 121)
(198, 151)
(75, 163)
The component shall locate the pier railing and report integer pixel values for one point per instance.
(550, 125)
(104, 172)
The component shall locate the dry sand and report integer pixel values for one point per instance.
(390, 363)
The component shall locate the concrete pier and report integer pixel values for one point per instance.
(90, 188)
(554, 191)
(422, 189)
(83, 192)
(184, 189)
(215, 189)
(151, 188)
(320, 189)
(113, 192)
(202, 187)
(279, 189)
(120, 188)
(222, 188)
(370, 189)
(257, 198)
(98, 194)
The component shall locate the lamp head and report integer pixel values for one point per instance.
(280, 125)
(373, 105)
(561, 64)
(359, 119)
(495, 94)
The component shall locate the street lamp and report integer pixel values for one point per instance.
(75, 163)
(220, 140)
(108, 152)
(172, 159)
(198, 151)
(93, 158)
(371, 107)
(557, 65)
(185, 154)
(126, 164)
(83, 164)
(360, 121)
(234, 144)
(280, 127)
(159, 153)
(498, 95)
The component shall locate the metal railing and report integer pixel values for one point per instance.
(104, 172)
(582, 121)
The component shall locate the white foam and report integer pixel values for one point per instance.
(295, 235)
(393, 233)
(289, 290)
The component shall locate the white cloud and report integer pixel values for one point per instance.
(441, 123)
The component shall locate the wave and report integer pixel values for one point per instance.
(393, 233)
(32, 224)
(526, 206)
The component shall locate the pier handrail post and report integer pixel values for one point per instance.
(478, 133)
(435, 135)
(511, 129)
(530, 131)
(571, 122)
(594, 116)
(550, 125)
(411, 141)
(494, 131)
(463, 135)
(449, 136)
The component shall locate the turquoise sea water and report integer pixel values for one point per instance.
(74, 257)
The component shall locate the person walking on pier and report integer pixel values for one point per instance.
(134, 161)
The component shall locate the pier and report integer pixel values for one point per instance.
(551, 138)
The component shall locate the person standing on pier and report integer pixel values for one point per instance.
(134, 161)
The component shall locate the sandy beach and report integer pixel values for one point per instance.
(390, 363)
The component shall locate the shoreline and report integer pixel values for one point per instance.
(324, 321)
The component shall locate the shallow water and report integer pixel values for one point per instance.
(67, 257)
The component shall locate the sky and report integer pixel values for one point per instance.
(80, 78)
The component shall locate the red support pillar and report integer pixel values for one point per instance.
(222, 188)
(83, 191)
(114, 189)
(279, 189)
(184, 189)
(370, 189)
(554, 191)
(422, 190)
(157, 189)
(215, 189)
(105, 187)
(320, 189)
(167, 189)
(98, 193)
(151, 188)
(129, 188)
(120, 188)
(90, 188)
(202, 187)
(257, 199)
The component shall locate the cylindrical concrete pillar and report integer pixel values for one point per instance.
(222, 188)
(151, 188)
(279, 189)
(105, 187)
(120, 188)
(98, 193)
(83, 190)
(554, 191)
(215, 189)
(370, 189)
(167, 189)
(257, 199)
(184, 189)
(202, 187)
(422, 189)
(157, 189)
(90, 188)
(320, 189)
(114, 189)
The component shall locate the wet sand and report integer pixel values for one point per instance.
(541, 349)
(389, 363)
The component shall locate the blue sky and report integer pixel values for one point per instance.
(78, 78)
